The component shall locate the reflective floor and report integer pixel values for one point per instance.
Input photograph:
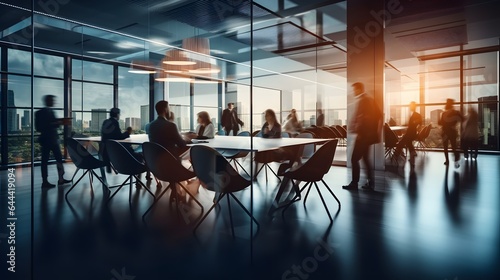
(427, 223)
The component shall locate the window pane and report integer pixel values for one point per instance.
(92, 71)
(48, 86)
(133, 99)
(76, 96)
(181, 114)
(442, 78)
(481, 77)
(19, 93)
(97, 96)
(206, 95)
(19, 121)
(178, 93)
(49, 65)
(20, 149)
(18, 61)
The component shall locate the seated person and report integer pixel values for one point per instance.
(110, 130)
(292, 124)
(165, 132)
(271, 128)
(205, 128)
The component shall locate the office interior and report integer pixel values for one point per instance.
(260, 54)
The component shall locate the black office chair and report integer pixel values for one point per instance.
(125, 163)
(83, 160)
(391, 142)
(218, 175)
(313, 171)
(167, 168)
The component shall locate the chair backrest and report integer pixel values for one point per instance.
(332, 132)
(244, 133)
(285, 134)
(256, 133)
(318, 165)
(308, 150)
(214, 171)
(122, 160)
(390, 137)
(80, 156)
(341, 130)
(164, 166)
(221, 132)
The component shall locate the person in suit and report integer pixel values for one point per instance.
(366, 125)
(411, 133)
(230, 120)
(320, 120)
(110, 130)
(449, 120)
(470, 134)
(164, 132)
(205, 128)
(46, 123)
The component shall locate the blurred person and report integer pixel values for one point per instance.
(411, 133)
(366, 125)
(271, 128)
(110, 130)
(470, 134)
(292, 123)
(320, 119)
(47, 124)
(205, 128)
(449, 120)
(164, 132)
(230, 120)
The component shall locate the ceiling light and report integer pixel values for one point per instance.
(141, 67)
(177, 57)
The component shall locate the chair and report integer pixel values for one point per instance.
(217, 174)
(343, 133)
(421, 136)
(256, 133)
(285, 134)
(221, 132)
(167, 168)
(83, 160)
(125, 163)
(391, 141)
(233, 155)
(313, 171)
(308, 150)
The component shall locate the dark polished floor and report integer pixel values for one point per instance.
(433, 223)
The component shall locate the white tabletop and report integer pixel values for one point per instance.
(228, 142)
(398, 127)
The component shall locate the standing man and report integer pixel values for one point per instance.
(164, 132)
(411, 133)
(47, 124)
(320, 119)
(366, 125)
(449, 120)
(230, 119)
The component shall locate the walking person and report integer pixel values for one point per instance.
(46, 123)
(366, 125)
(470, 134)
(230, 120)
(449, 120)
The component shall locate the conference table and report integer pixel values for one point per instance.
(242, 143)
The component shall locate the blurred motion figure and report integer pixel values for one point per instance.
(449, 120)
(470, 134)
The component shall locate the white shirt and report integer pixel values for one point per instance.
(209, 131)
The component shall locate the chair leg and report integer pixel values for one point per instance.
(295, 198)
(246, 211)
(241, 167)
(192, 196)
(137, 180)
(307, 193)
(208, 212)
(74, 185)
(154, 203)
(330, 190)
(74, 174)
(91, 178)
(119, 188)
(230, 215)
(323, 200)
(274, 173)
(258, 171)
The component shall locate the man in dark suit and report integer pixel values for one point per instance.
(366, 125)
(110, 130)
(47, 124)
(411, 133)
(320, 120)
(449, 120)
(164, 132)
(230, 120)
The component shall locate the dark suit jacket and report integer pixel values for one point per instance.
(449, 120)
(320, 121)
(47, 124)
(367, 120)
(166, 134)
(230, 119)
(415, 121)
(110, 130)
(273, 133)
